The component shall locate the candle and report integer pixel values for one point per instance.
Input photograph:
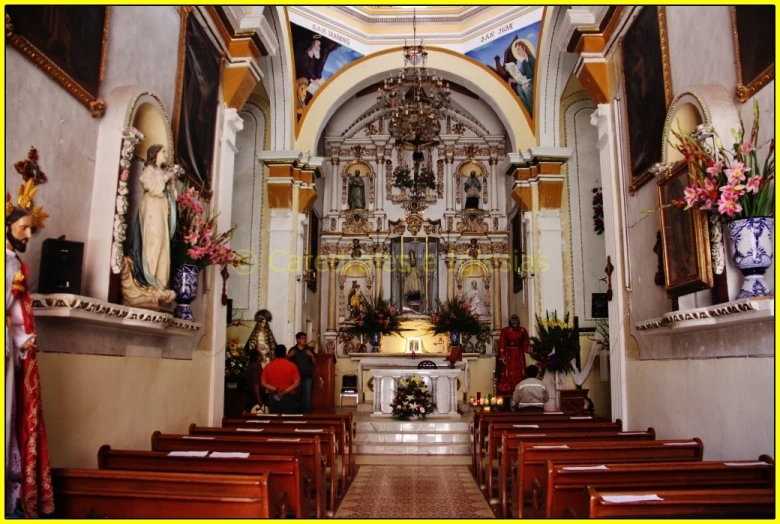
(500, 401)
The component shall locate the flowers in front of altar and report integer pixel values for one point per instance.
(455, 314)
(729, 182)
(376, 316)
(196, 241)
(555, 346)
(403, 178)
(412, 399)
(236, 359)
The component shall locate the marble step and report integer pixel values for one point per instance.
(451, 437)
(417, 426)
(402, 448)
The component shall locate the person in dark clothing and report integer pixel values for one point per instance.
(280, 377)
(255, 395)
(303, 358)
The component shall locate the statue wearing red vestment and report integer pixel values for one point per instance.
(510, 364)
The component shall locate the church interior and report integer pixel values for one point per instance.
(390, 261)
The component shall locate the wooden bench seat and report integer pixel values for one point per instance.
(705, 503)
(566, 493)
(92, 493)
(529, 482)
(308, 449)
(285, 485)
(511, 442)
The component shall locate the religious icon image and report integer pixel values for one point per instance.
(356, 252)
(513, 344)
(355, 300)
(262, 338)
(412, 282)
(473, 188)
(475, 299)
(474, 249)
(357, 194)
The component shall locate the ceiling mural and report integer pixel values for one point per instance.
(317, 58)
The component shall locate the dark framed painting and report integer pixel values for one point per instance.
(599, 305)
(685, 235)
(648, 91)
(754, 39)
(68, 42)
(517, 251)
(197, 96)
(314, 251)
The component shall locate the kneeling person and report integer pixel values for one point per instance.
(281, 378)
(531, 393)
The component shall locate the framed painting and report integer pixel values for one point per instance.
(648, 91)
(197, 96)
(685, 236)
(67, 42)
(754, 39)
(517, 252)
(314, 251)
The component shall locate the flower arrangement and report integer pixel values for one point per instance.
(731, 182)
(598, 211)
(412, 399)
(196, 241)
(555, 346)
(236, 359)
(403, 178)
(455, 314)
(376, 316)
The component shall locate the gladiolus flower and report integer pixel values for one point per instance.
(736, 172)
(746, 147)
(754, 184)
(691, 195)
(728, 206)
(713, 168)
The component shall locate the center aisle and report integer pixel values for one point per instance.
(414, 492)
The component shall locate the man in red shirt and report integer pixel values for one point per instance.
(281, 378)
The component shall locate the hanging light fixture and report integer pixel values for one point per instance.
(413, 104)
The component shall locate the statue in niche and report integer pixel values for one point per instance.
(473, 189)
(474, 249)
(148, 268)
(413, 283)
(357, 198)
(355, 299)
(475, 299)
(356, 252)
(262, 338)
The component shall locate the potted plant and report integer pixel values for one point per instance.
(196, 244)
(236, 361)
(739, 190)
(412, 399)
(455, 317)
(555, 347)
(374, 319)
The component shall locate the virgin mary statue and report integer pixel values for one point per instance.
(262, 338)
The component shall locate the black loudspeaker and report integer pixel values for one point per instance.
(61, 262)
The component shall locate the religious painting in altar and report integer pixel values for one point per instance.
(414, 282)
(754, 38)
(472, 187)
(197, 96)
(648, 91)
(686, 239)
(68, 42)
(316, 58)
(512, 56)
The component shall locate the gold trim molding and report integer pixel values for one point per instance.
(744, 92)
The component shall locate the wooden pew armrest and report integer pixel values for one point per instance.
(537, 494)
(570, 513)
(280, 504)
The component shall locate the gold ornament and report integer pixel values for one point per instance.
(9, 207)
(26, 193)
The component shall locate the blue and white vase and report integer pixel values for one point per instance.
(376, 341)
(752, 249)
(185, 285)
(454, 338)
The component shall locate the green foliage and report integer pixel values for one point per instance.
(455, 315)
(555, 345)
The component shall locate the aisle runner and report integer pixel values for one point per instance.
(414, 492)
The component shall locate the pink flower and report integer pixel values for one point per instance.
(191, 238)
(754, 184)
(746, 147)
(714, 168)
(692, 194)
(732, 192)
(727, 206)
(196, 253)
(736, 172)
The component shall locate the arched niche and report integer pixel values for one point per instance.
(354, 271)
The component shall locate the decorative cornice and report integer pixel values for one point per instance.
(722, 315)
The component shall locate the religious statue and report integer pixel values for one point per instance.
(412, 283)
(355, 299)
(473, 188)
(513, 344)
(28, 488)
(357, 198)
(147, 271)
(262, 338)
(474, 249)
(475, 299)
(356, 252)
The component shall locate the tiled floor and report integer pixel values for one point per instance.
(414, 491)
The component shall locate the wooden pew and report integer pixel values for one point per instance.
(327, 441)
(496, 432)
(532, 457)
(482, 423)
(307, 448)
(92, 493)
(350, 427)
(709, 503)
(566, 494)
(511, 442)
(342, 443)
(285, 485)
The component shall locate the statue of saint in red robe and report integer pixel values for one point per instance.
(510, 364)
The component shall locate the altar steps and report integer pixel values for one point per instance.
(413, 438)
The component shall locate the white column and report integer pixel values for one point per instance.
(216, 330)
(379, 185)
(281, 282)
(603, 119)
(453, 396)
(493, 186)
(449, 184)
(551, 253)
(334, 185)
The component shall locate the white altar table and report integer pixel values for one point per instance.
(443, 383)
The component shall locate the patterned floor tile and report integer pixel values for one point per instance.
(414, 492)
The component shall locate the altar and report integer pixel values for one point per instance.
(442, 382)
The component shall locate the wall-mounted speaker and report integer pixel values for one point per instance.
(61, 262)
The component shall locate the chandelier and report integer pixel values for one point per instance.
(414, 101)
